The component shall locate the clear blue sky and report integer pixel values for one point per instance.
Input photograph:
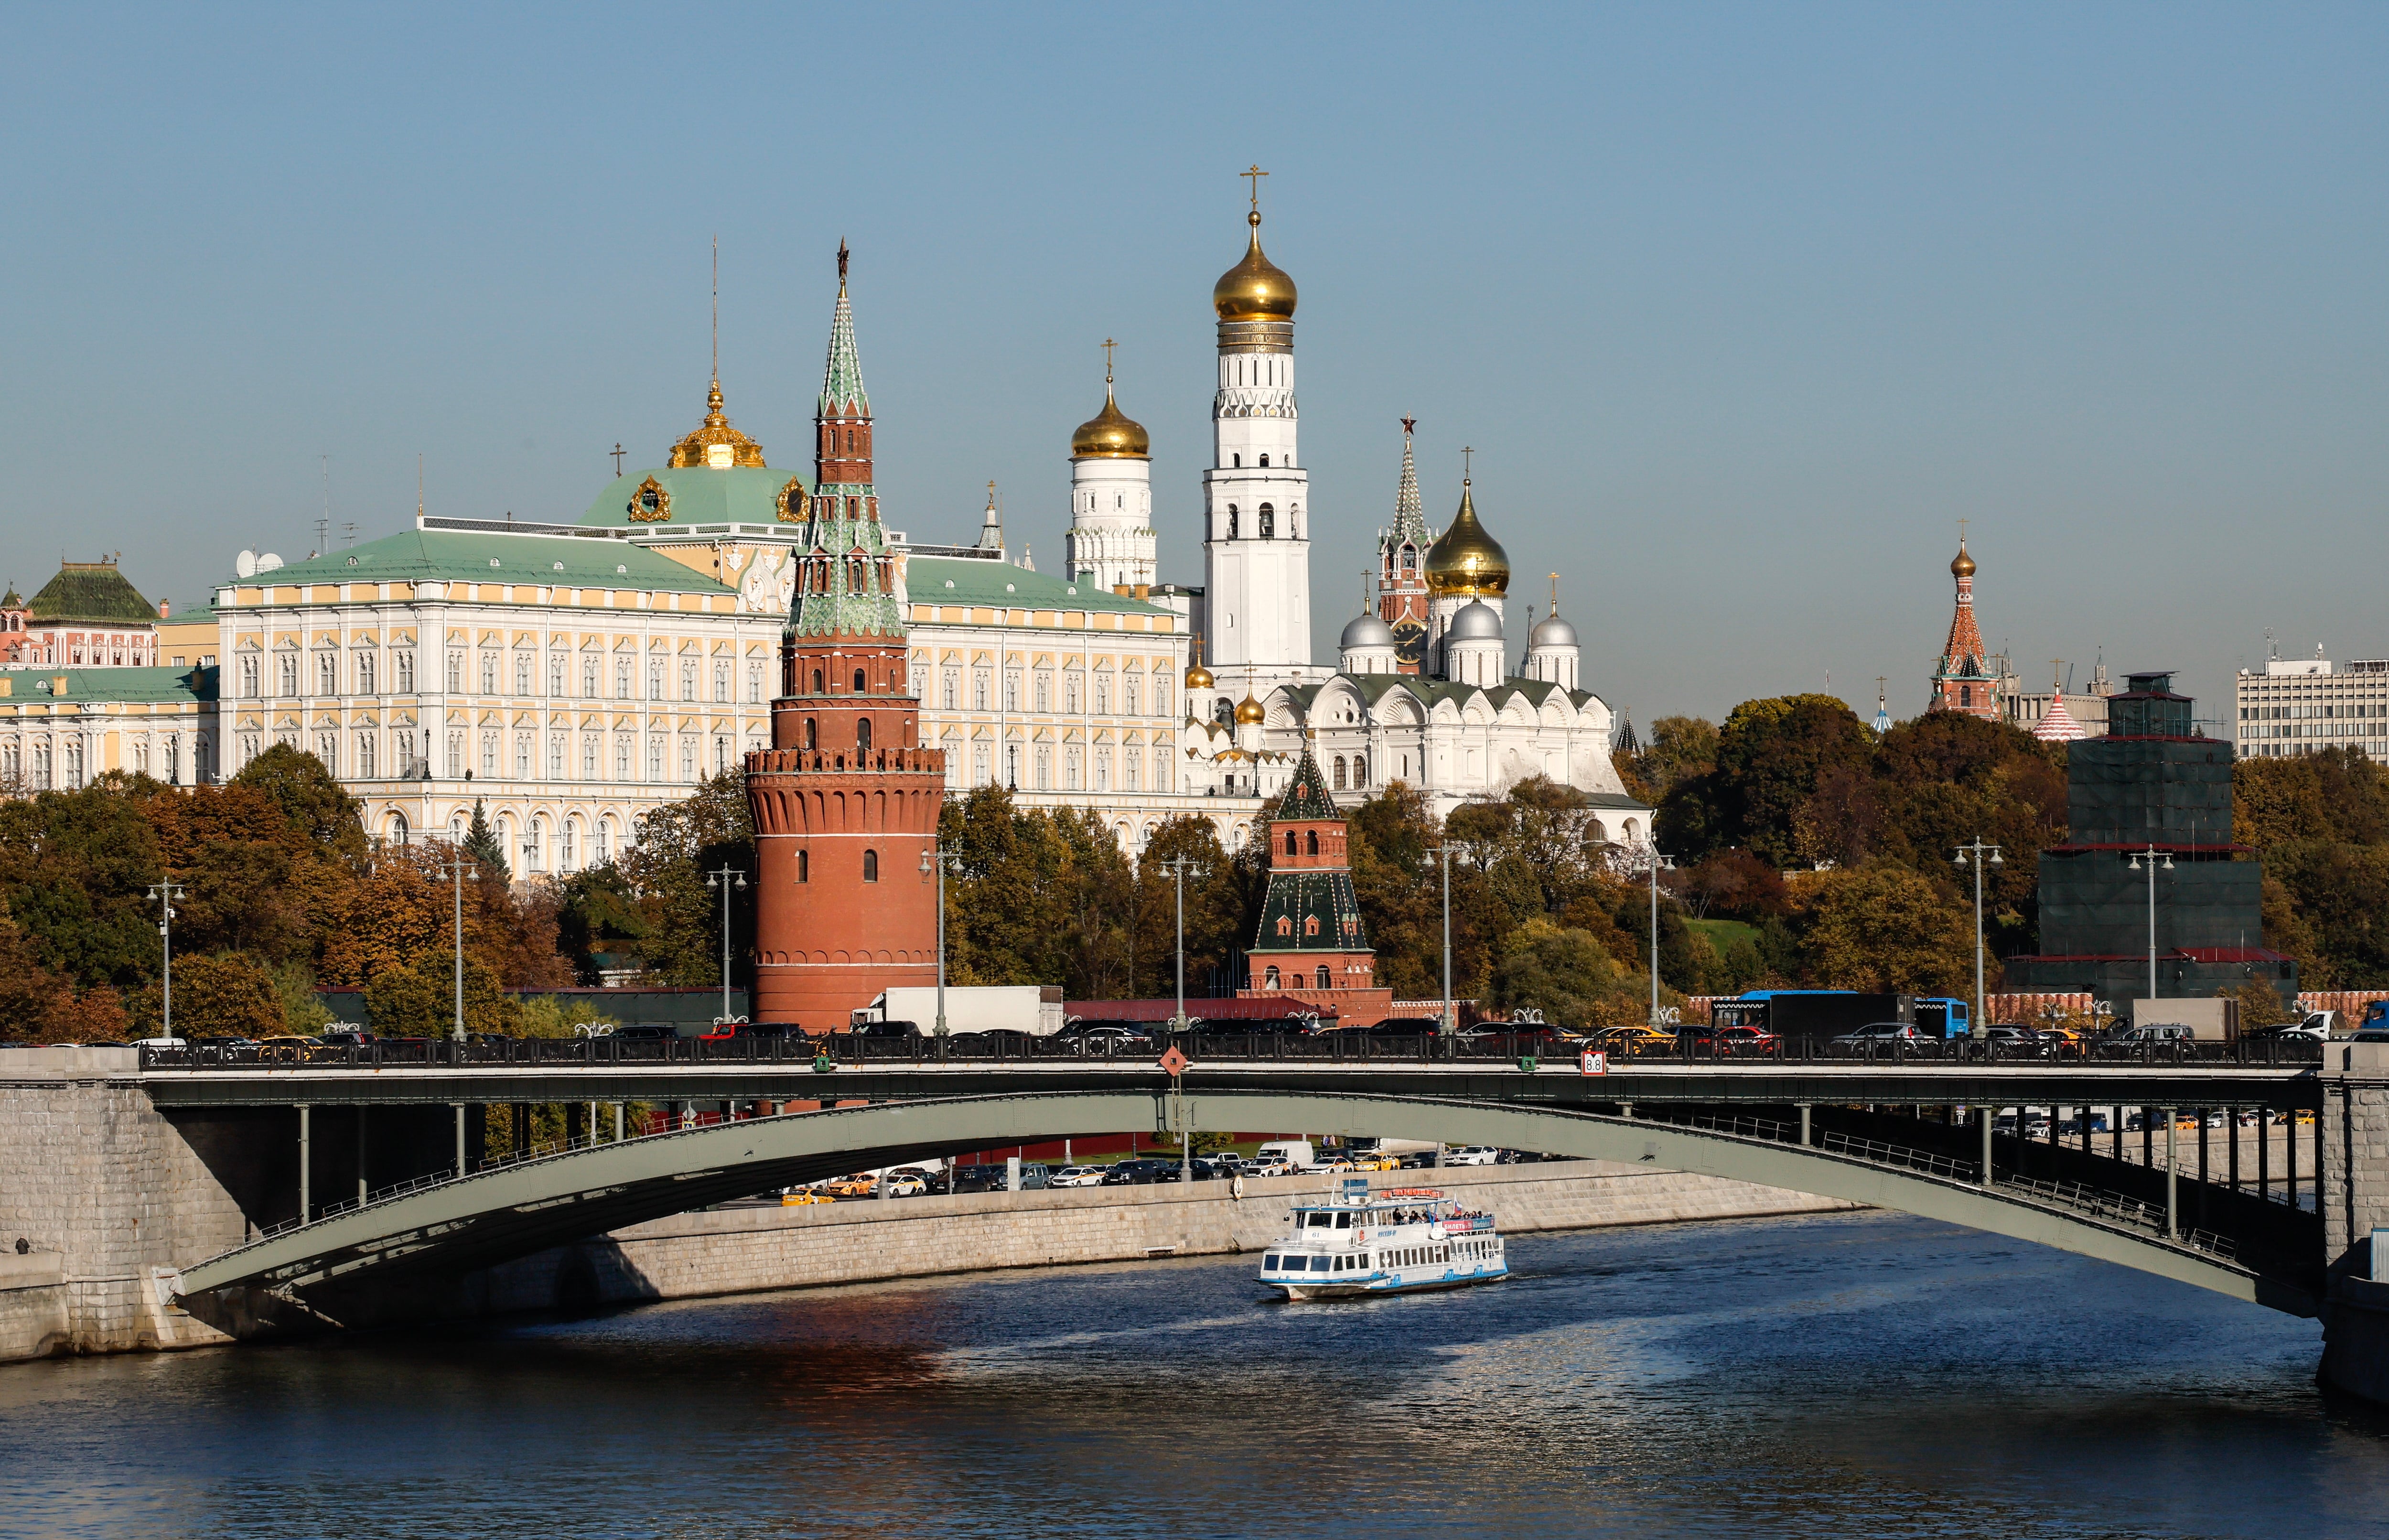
(1742, 308)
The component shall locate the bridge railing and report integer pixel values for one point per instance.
(2116, 1208)
(1350, 1045)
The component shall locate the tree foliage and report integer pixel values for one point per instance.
(2321, 823)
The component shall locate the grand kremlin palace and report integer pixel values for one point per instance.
(573, 675)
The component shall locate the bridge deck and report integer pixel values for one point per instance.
(2282, 1088)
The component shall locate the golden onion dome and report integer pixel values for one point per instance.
(1965, 565)
(1198, 677)
(1465, 559)
(716, 443)
(1111, 434)
(1248, 710)
(1254, 290)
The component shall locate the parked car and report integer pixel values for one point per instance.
(2013, 1041)
(1635, 1036)
(1267, 1164)
(860, 1185)
(1142, 1171)
(1405, 1026)
(1882, 1033)
(1011, 1042)
(907, 1181)
(1078, 1176)
(1471, 1155)
(1724, 1040)
(792, 1198)
(1373, 1160)
(1102, 1037)
(1419, 1160)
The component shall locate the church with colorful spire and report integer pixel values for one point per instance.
(1962, 680)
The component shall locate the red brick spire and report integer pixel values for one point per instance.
(1962, 680)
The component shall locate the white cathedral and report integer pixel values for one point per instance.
(1423, 691)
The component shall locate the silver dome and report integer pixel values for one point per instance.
(1478, 623)
(1366, 630)
(1552, 631)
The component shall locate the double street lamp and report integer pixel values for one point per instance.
(714, 880)
(2153, 856)
(1180, 869)
(1654, 864)
(1981, 1027)
(938, 860)
(460, 867)
(165, 893)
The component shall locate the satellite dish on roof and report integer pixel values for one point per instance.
(267, 562)
(244, 564)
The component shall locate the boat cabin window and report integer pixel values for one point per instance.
(1343, 1220)
(1318, 1220)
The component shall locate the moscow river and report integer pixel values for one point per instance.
(1857, 1374)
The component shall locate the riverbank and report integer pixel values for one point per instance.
(736, 1250)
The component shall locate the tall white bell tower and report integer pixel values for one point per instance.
(1256, 496)
(1111, 538)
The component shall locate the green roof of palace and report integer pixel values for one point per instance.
(700, 494)
(136, 685)
(963, 579)
(91, 591)
(421, 556)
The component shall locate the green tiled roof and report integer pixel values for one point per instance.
(740, 495)
(1299, 896)
(927, 580)
(91, 591)
(1306, 794)
(419, 556)
(195, 613)
(132, 684)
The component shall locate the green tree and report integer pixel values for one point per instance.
(420, 1001)
(1771, 757)
(1566, 975)
(1883, 928)
(225, 995)
(76, 867)
(482, 844)
(678, 845)
(311, 801)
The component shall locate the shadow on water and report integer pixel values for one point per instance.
(1862, 1374)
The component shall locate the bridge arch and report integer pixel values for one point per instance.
(508, 1212)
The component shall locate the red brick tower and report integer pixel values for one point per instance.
(846, 799)
(1962, 680)
(1311, 944)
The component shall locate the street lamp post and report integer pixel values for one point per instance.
(1450, 1026)
(1658, 863)
(713, 879)
(2153, 856)
(1982, 1026)
(1180, 869)
(165, 893)
(937, 860)
(459, 866)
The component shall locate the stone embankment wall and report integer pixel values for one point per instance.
(741, 1249)
(105, 1195)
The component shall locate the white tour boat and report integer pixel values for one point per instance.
(1389, 1242)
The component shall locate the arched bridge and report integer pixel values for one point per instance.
(2258, 1251)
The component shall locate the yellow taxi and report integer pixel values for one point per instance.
(1375, 1162)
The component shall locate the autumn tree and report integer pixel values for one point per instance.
(1882, 928)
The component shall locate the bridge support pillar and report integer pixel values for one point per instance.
(2351, 1183)
(306, 1163)
(1984, 1115)
(2173, 1199)
(618, 1122)
(362, 1188)
(460, 1138)
(1805, 1140)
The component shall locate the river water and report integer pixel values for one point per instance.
(1864, 1374)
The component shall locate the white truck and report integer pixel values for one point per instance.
(1034, 1009)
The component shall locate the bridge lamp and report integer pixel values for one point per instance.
(937, 862)
(1181, 868)
(712, 880)
(1982, 1025)
(2153, 855)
